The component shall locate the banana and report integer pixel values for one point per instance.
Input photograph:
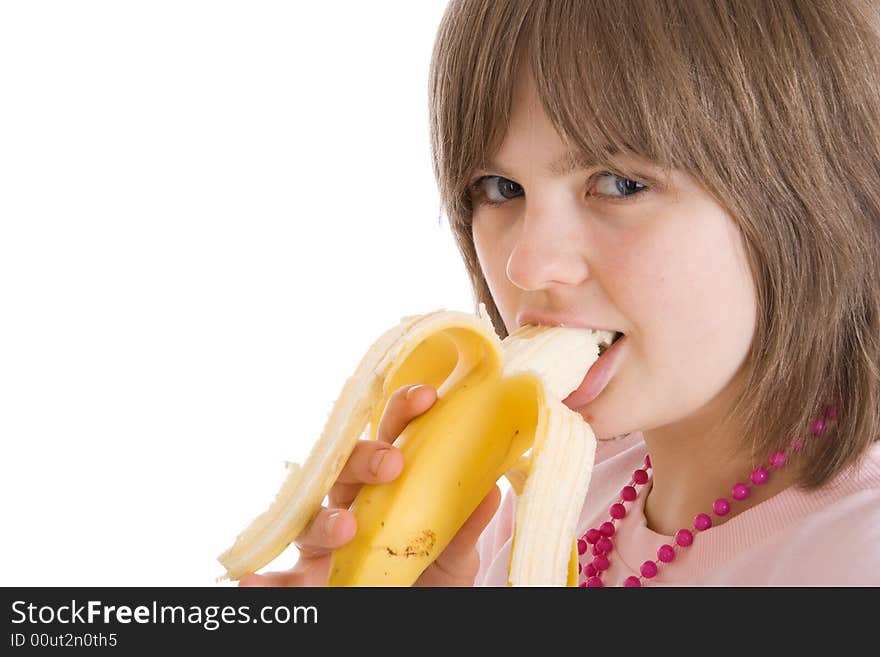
(498, 413)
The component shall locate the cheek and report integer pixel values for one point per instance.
(718, 297)
(493, 254)
(693, 304)
(489, 253)
(690, 303)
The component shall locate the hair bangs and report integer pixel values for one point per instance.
(611, 82)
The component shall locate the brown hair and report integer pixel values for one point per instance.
(772, 105)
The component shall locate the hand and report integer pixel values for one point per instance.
(378, 462)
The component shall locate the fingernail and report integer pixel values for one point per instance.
(330, 522)
(412, 391)
(376, 461)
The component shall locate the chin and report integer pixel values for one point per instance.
(598, 422)
(607, 423)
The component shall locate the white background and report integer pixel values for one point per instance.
(208, 212)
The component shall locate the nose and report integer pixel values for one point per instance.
(549, 248)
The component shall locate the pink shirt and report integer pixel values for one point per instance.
(829, 537)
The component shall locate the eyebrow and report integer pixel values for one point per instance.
(570, 162)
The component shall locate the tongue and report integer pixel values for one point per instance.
(593, 383)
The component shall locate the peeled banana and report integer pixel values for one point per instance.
(498, 412)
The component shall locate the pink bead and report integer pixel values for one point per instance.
(632, 581)
(582, 546)
(592, 536)
(818, 426)
(647, 460)
(594, 582)
(665, 553)
(590, 570)
(739, 492)
(604, 545)
(628, 494)
(759, 476)
(606, 528)
(684, 537)
(721, 507)
(580, 568)
(778, 459)
(640, 477)
(648, 569)
(831, 412)
(596, 550)
(600, 563)
(702, 522)
(617, 511)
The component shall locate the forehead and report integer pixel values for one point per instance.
(531, 135)
(528, 120)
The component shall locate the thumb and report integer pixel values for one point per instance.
(460, 552)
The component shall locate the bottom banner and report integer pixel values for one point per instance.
(136, 620)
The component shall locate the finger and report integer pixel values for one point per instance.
(371, 462)
(304, 573)
(284, 578)
(405, 403)
(368, 463)
(459, 560)
(329, 529)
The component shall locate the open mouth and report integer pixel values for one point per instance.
(608, 340)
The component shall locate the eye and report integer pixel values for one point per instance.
(610, 184)
(495, 190)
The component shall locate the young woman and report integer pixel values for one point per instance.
(703, 178)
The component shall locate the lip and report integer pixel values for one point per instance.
(598, 376)
(558, 320)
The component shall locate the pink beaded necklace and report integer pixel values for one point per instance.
(590, 573)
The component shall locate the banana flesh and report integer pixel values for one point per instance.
(498, 412)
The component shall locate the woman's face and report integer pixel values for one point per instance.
(662, 263)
